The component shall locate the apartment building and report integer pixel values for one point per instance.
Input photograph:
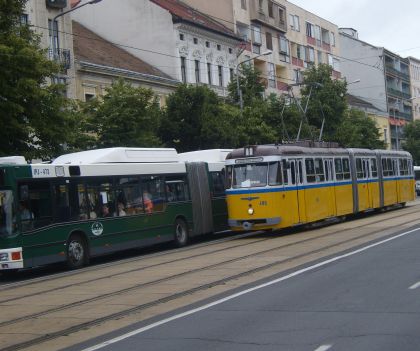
(56, 36)
(415, 86)
(297, 38)
(183, 43)
(384, 80)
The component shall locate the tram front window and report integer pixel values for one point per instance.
(6, 212)
(251, 175)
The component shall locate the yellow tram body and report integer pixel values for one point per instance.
(278, 186)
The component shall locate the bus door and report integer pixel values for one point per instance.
(329, 179)
(298, 195)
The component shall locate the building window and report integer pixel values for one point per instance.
(270, 9)
(332, 39)
(242, 31)
(268, 41)
(231, 74)
(53, 37)
(256, 49)
(294, 23)
(243, 4)
(310, 30)
(220, 71)
(181, 36)
(260, 4)
(197, 71)
(24, 19)
(284, 45)
(183, 70)
(271, 75)
(195, 40)
(320, 59)
(281, 16)
(311, 54)
(209, 73)
(230, 50)
(207, 44)
(318, 35)
(297, 75)
(219, 47)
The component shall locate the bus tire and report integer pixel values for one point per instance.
(181, 232)
(77, 252)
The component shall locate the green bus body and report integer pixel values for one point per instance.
(65, 201)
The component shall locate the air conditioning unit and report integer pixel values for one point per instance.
(56, 4)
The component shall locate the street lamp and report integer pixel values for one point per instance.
(55, 29)
(241, 103)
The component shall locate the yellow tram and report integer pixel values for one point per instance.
(278, 186)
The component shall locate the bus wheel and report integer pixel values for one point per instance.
(77, 255)
(181, 233)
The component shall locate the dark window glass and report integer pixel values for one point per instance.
(274, 173)
(154, 197)
(310, 170)
(218, 183)
(346, 168)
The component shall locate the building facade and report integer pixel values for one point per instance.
(297, 38)
(55, 35)
(185, 44)
(415, 86)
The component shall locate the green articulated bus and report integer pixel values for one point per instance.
(97, 202)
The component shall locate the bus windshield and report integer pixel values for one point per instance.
(6, 212)
(250, 175)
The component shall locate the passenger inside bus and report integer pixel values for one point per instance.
(120, 209)
(148, 203)
(105, 211)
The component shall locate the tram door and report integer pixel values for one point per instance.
(296, 181)
(363, 178)
(329, 179)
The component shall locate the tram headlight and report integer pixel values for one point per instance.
(250, 211)
(4, 256)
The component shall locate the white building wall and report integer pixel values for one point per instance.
(144, 29)
(415, 86)
(365, 63)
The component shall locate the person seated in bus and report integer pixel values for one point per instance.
(170, 194)
(105, 211)
(120, 210)
(26, 216)
(148, 203)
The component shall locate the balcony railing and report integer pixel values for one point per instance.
(393, 70)
(61, 56)
(398, 93)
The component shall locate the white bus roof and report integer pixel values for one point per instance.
(213, 155)
(120, 155)
(13, 160)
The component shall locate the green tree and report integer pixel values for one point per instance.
(359, 131)
(127, 116)
(195, 118)
(412, 140)
(250, 83)
(34, 120)
(326, 99)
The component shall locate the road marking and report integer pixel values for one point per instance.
(323, 348)
(233, 296)
(414, 286)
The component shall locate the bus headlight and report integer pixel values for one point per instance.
(4, 256)
(250, 211)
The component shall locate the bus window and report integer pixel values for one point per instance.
(36, 197)
(61, 203)
(177, 189)
(153, 193)
(218, 184)
(128, 197)
(274, 173)
(6, 213)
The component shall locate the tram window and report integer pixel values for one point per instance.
(410, 167)
(310, 170)
(251, 175)
(285, 166)
(228, 181)
(274, 173)
(300, 172)
(403, 166)
(338, 169)
(319, 170)
(374, 167)
(293, 173)
(346, 168)
(390, 164)
(384, 168)
(359, 169)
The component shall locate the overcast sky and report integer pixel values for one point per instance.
(394, 25)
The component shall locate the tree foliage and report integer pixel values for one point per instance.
(412, 140)
(359, 131)
(250, 84)
(126, 116)
(34, 121)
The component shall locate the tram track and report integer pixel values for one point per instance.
(140, 307)
(250, 234)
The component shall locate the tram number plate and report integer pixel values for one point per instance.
(263, 203)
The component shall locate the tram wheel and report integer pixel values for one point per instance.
(77, 254)
(181, 232)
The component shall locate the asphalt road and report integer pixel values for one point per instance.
(366, 300)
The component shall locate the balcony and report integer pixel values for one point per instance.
(56, 4)
(60, 56)
(392, 70)
(398, 93)
(261, 14)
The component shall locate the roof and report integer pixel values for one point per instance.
(213, 155)
(120, 155)
(358, 102)
(90, 47)
(180, 10)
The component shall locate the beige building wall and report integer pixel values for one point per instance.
(219, 10)
(415, 86)
(38, 14)
(382, 124)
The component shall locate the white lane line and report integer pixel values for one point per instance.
(233, 296)
(323, 348)
(415, 286)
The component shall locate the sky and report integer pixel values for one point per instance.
(394, 25)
